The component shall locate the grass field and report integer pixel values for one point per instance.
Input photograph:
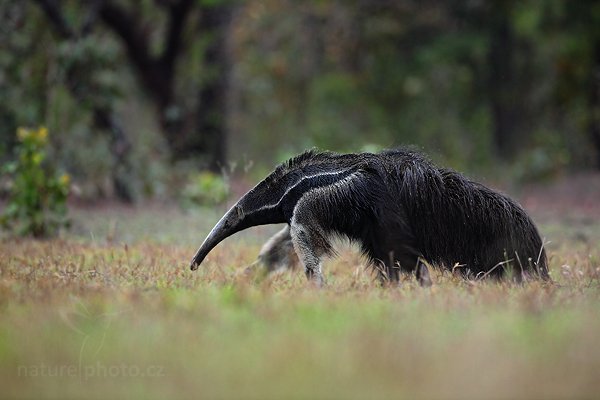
(112, 311)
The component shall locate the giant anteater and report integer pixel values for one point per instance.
(398, 206)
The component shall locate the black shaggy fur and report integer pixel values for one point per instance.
(399, 207)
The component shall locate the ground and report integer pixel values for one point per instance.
(111, 310)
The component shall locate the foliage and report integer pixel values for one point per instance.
(63, 82)
(204, 189)
(415, 73)
(333, 74)
(540, 164)
(37, 201)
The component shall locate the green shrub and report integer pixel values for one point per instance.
(204, 189)
(541, 164)
(37, 196)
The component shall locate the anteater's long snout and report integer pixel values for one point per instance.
(229, 224)
(257, 207)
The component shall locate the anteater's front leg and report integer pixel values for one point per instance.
(310, 242)
(309, 250)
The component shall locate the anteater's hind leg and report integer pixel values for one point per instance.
(278, 252)
(405, 261)
(391, 264)
(411, 264)
(392, 247)
(401, 259)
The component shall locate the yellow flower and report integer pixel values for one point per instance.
(65, 179)
(22, 133)
(42, 133)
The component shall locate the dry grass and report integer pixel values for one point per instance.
(92, 317)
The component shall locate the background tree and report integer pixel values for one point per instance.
(80, 69)
(139, 93)
(157, 70)
(175, 49)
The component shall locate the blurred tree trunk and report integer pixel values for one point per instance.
(104, 115)
(208, 134)
(156, 73)
(211, 137)
(501, 84)
(120, 147)
(594, 102)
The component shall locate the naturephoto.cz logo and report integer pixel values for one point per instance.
(97, 370)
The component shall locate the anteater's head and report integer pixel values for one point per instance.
(262, 205)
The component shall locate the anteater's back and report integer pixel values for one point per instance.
(455, 220)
